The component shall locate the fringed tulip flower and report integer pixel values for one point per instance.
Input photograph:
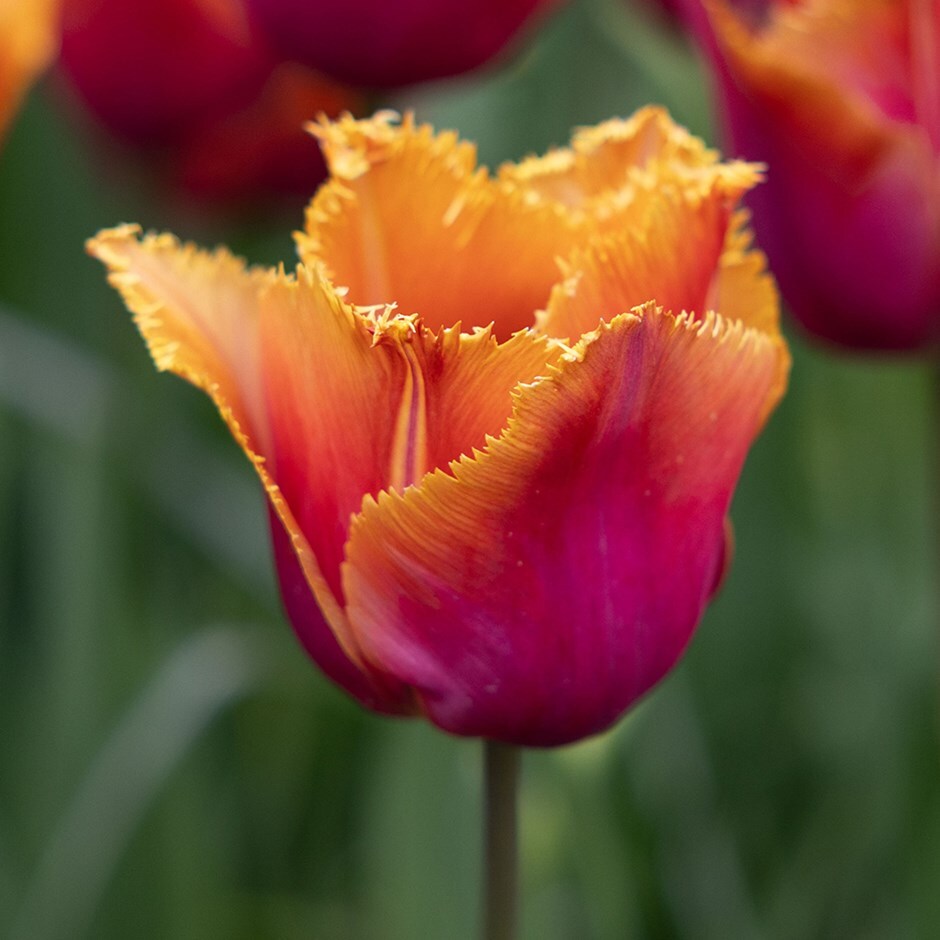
(28, 40)
(383, 45)
(499, 418)
(841, 98)
(198, 91)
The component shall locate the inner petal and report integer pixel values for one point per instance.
(408, 219)
(665, 246)
(605, 159)
(457, 390)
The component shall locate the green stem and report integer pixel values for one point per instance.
(501, 776)
(934, 470)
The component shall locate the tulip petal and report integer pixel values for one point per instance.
(742, 288)
(370, 686)
(673, 255)
(605, 159)
(358, 403)
(864, 49)
(799, 70)
(408, 219)
(536, 591)
(198, 313)
(330, 404)
(381, 45)
(201, 316)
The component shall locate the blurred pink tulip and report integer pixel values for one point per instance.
(377, 44)
(197, 90)
(841, 98)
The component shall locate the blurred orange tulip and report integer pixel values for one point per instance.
(28, 42)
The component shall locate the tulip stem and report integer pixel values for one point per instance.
(501, 777)
(934, 433)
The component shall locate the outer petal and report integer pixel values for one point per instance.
(358, 405)
(198, 313)
(330, 404)
(537, 592)
(201, 317)
(369, 686)
(407, 219)
(27, 44)
(850, 216)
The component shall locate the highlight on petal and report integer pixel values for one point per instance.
(543, 585)
(28, 42)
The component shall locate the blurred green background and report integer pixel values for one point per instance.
(171, 766)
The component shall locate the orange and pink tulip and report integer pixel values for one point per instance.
(841, 99)
(499, 418)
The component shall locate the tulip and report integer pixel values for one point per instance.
(275, 156)
(499, 418)
(384, 45)
(151, 69)
(841, 98)
(198, 91)
(27, 44)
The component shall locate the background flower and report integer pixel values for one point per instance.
(840, 98)
(27, 43)
(383, 45)
(198, 93)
